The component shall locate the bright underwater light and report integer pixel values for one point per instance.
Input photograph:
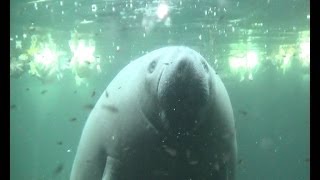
(247, 62)
(83, 53)
(304, 51)
(162, 10)
(46, 56)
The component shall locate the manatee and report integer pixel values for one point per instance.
(166, 115)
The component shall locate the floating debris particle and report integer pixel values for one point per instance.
(44, 91)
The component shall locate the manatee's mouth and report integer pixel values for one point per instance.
(189, 93)
(159, 79)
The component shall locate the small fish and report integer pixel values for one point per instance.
(44, 91)
(216, 166)
(242, 112)
(307, 160)
(193, 162)
(59, 143)
(221, 18)
(188, 153)
(13, 106)
(160, 172)
(119, 87)
(58, 169)
(73, 119)
(27, 89)
(32, 28)
(169, 150)
(126, 149)
(89, 106)
(75, 92)
(240, 161)
(107, 94)
(110, 108)
(93, 94)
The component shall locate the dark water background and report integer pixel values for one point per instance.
(271, 110)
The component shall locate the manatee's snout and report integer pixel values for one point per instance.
(184, 85)
(184, 80)
(190, 69)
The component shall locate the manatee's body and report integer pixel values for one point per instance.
(165, 116)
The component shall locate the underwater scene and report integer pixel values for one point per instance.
(159, 89)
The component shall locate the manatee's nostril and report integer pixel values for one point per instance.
(152, 66)
(182, 65)
(205, 66)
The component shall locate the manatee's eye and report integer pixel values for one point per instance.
(152, 66)
(205, 66)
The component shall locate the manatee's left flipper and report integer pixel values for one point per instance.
(111, 171)
(91, 155)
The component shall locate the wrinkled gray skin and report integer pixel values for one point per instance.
(165, 116)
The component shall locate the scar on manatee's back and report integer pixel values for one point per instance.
(110, 108)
